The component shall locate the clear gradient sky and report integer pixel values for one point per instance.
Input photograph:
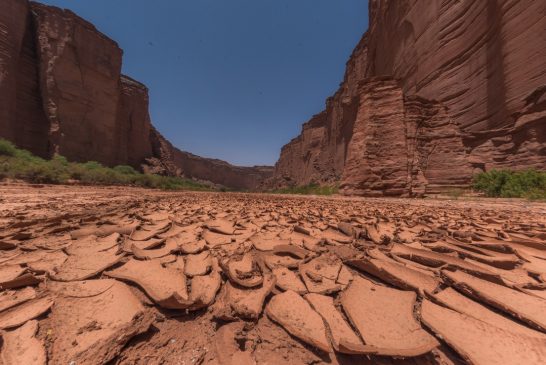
(231, 79)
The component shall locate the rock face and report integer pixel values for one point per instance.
(133, 121)
(433, 92)
(80, 82)
(401, 145)
(62, 91)
(21, 113)
(172, 161)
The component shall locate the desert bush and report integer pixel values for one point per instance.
(529, 184)
(7, 148)
(21, 164)
(125, 170)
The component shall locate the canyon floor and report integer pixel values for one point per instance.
(128, 276)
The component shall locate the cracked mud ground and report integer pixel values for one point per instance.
(128, 276)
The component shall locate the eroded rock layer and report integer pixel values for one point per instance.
(169, 159)
(478, 66)
(62, 91)
(389, 126)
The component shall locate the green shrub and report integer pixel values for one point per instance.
(59, 160)
(7, 148)
(20, 164)
(92, 165)
(125, 170)
(529, 184)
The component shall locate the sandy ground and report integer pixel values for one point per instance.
(132, 276)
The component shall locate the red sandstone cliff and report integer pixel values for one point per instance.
(62, 91)
(22, 119)
(170, 160)
(462, 88)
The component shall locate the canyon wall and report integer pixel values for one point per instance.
(470, 74)
(62, 91)
(22, 119)
(169, 160)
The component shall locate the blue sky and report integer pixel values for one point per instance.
(231, 79)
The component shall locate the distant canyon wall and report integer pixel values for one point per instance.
(62, 91)
(435, 91)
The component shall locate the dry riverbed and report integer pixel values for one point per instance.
(131, 276)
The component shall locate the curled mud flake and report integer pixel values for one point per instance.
(339, 330)
(520, 305)
(346, 228)
(244, 272)
(384, 318)
(9, 299)
(145, 254)
(7, 245)
(20, 314)
(464, 305)
(104, 230)
(221, 226)
(16, 276)
(128, 244)
(199, 264)
(302, 230)
(297, 317)
(267, 242)
(335, 236)
(289, 280)
(166, 287)
(204, 289)
(479, 342)
(216, 239)
(95, 329)
(87, 264)
(397, 275)
(240, 302)
(20, 346)
(320, 274)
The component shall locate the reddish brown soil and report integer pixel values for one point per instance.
(129, 276)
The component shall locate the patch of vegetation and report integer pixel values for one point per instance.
(455, 193)
(311, 189)
(21, 164)
(529, 184)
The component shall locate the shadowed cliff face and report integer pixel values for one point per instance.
(22, 119)
(62, 91)
(480, 64)
(169, 160)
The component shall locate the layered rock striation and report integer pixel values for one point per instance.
(458, 87)
(402, 145)
(62, 91)
(169, 160)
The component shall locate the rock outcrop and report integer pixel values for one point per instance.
(62, 91)
(170, 160)
(472, 77)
